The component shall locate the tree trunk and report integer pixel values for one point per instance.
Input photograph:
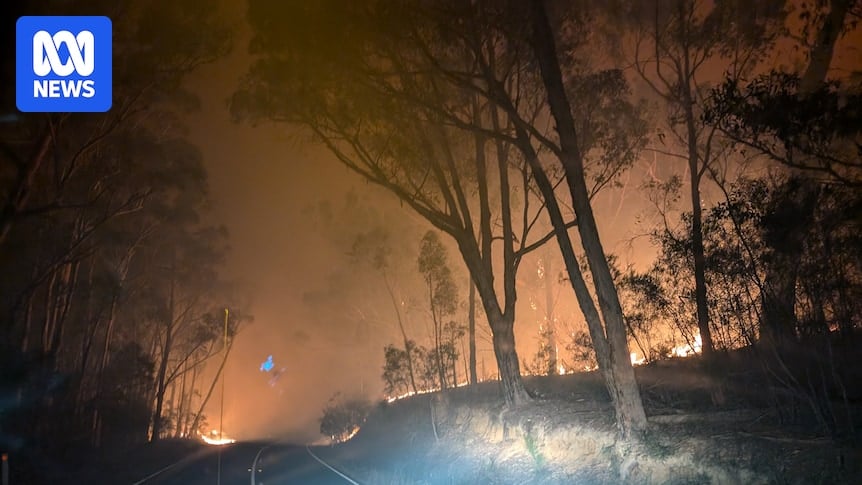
(778, 320)
(407, 346)
(696, 167)
(438, 337)
(502, 325)
(28, 322)
(163, 367)
(778, 299)
(161, 385)
(172, 403)
(697, 249)
(631, 419)
(471, 329)
(23, 185)
(181, 408)
(187, 431)
(48, 320)
(607, 366)
(791, 214)
(109, 333)
(502, 329)
(103, 364)
(824, 45)
(466, 363)
(454, 364)
(64, 305)
(550, 324)
(58, 302)
(91, 319)
(197, 421)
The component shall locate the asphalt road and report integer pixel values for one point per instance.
(231, 465)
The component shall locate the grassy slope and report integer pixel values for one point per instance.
(704, 429)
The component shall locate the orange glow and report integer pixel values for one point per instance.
(215, 440)
(407, 394)
(637, 360)
(391, 399)
(352, 434)
(685, 350)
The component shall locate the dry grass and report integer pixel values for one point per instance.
(566, 435)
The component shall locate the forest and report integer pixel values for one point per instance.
(499, 126)
(112, 298)
(493, 128)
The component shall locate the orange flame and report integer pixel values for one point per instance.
(215, 440)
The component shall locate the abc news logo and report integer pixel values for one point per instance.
(63, 64)
(46, 59)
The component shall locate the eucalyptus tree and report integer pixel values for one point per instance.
(417, 98)
(81, 197)
(442, 295)
(153, 49)
(616, 148)
(215, 335)
(674, 46)
(376, 249)
(807, 124)
(185, 281)
(69, 179)
(355, 79)
(375, 244)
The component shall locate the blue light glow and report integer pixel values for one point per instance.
(267, 365)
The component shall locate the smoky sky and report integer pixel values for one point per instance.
(263, 179)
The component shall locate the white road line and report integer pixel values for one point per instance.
(254, 463)
(348, 479)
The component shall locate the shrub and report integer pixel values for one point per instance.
(342, 418)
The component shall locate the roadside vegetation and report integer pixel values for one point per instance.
(567, 435)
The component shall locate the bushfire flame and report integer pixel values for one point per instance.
(685, 350)
(216, 440)
(391, 399)
(637, 360)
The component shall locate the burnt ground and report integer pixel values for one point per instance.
(746, 419)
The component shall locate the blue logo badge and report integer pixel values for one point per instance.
(63, 64)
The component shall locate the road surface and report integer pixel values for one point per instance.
(231, 465)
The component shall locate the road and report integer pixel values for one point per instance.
(276, 464)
